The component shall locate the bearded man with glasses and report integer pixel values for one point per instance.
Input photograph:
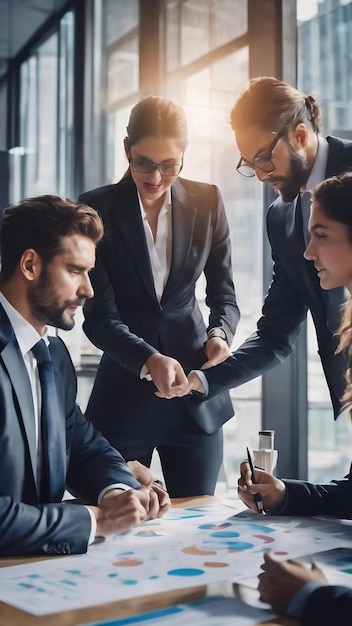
(277, 131)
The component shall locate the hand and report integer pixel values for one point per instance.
(146, 478)
(280, 581)
(217, 351)
(193, 383)
(270, 488)
(121, 511)
(166, 373)
(141, 472)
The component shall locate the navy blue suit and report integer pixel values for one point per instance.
(126, 320)
(294, 290)
(27, 524)
(328, 604)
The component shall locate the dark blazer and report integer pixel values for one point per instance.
(27, 526)
(295, 288)
(329, 604)
(125, 319)
(304, 498)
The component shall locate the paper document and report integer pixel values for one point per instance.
(188, 547)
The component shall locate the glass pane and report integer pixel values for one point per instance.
(324, 69)
(120, 18)
(123, 71)
(38, 118)
(207, 98)
(116, 157)
(195, 27)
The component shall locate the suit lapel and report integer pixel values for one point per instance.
(296, 248)
(13, 361)
(183, 217)
(130, 225)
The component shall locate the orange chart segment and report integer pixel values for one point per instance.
(196, 550)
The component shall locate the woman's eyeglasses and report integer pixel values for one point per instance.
(145, 166)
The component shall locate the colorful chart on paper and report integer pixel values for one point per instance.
(188, 547)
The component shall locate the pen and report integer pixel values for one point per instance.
(257, 497)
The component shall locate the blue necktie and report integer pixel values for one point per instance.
(52, 468)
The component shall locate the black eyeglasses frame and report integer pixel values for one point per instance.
(255, 164)
(157, 166)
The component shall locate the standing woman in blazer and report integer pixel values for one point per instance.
(161, 233)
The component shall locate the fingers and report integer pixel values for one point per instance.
(141, 472)
(164, 501)
(166, 373)
(193, 383)
(217, 351)
(245, 477)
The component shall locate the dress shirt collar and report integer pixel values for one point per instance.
(319, 168)
(166, 204)
(26, 334)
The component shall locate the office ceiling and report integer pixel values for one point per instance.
(19, 20)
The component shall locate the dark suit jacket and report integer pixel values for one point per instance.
(304, 498)
(295, 288)
(26, 525)
(126, 320)
(327, 605)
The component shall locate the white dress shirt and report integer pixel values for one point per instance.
(160, 251)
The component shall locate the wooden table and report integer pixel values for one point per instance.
(10, 616)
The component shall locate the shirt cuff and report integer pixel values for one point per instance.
(114, 486)
(93, 521)
(204, 382)
(93, 526)
(296, 607)
(144, 373)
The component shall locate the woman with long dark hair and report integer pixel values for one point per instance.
(289, 586)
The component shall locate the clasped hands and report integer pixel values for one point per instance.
(280, 580)
(120, 510)
(169, 377)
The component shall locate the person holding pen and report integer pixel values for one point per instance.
(289, 586)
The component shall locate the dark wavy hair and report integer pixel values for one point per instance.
(42, 223)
